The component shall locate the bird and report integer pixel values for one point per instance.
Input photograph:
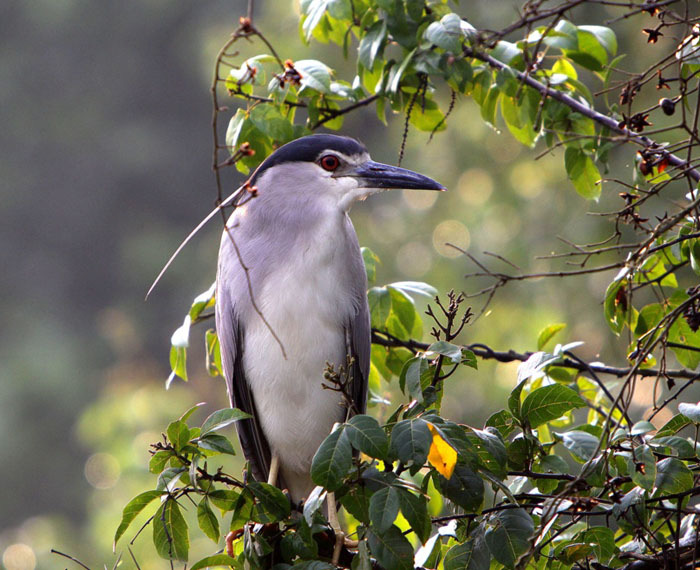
(291, 298)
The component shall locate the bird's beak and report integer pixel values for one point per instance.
(383, 176)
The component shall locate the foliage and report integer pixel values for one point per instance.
(563, 475)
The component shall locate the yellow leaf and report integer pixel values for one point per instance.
(442, 455)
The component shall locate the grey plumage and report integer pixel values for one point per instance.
(307, 278)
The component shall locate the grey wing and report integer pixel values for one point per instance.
(360, 345)
(250, 434)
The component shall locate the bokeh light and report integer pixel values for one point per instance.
(19, 557)
(475, 186)
(420, 200)
(102, 470)
(527, 179)
(453, 232)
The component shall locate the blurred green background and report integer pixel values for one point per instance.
(105, 154)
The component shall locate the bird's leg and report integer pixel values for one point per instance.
(340, 538)
(335, 525)
(274, 470)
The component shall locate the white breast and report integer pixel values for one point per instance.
(303, 301)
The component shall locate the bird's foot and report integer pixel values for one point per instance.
(339, 542)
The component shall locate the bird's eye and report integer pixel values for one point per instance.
(329, 162)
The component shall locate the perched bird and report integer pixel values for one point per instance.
(291, 297)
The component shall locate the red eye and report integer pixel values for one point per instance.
(329, 162)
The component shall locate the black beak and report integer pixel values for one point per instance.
(377, 175)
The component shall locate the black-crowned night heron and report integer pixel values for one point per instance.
(291, 296)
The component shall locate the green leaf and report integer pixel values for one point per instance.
(648, 318)
(469, 359)
(215, 442)
(383, 509)
(184, 417)
(178, 352)
(379, 300)
(312, 12)
(427, 116)
(415, 288)
(491, 450)
(403, 308)
(445, 34)
(583, 173)
(642, 427)
(397, 73)
(676, 424)
(132, 509)
(604, 36)
(168, 475)
(371, 261)
(563, 36)
(410, 377)
(642, 467)
(617, 306)
(581, 444)
(534, 366)
(170, 535)
(674, 445)
(221, 419)
(585, 59)
(391, 549)
(548, 333)
(508, 535)
(213, 353)
(332, 461)
(603, 540)
(503, 421)
(159, 460)
(549, 403)
(272, 504)
(681, 333)
(362, 560)
(215, 560)
(366, 436)
(178, 434)
(410, 441)
(469, 555)
(672, 476)
(631, 512)
(505, 52)
(242, 509)
(572, 552)
(356, 502)
(590, 47)
(207, 520)
(514, 399)
(225, 499)
(489, 105)
(270, 121)
(519, 114)
(314, 75)
(372, 44)
(465, 488)
(451, 351)
(235, 128)
(415, 510)
(203, 301)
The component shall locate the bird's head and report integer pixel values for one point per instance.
(336, 169)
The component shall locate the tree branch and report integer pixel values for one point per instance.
(579, 107)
